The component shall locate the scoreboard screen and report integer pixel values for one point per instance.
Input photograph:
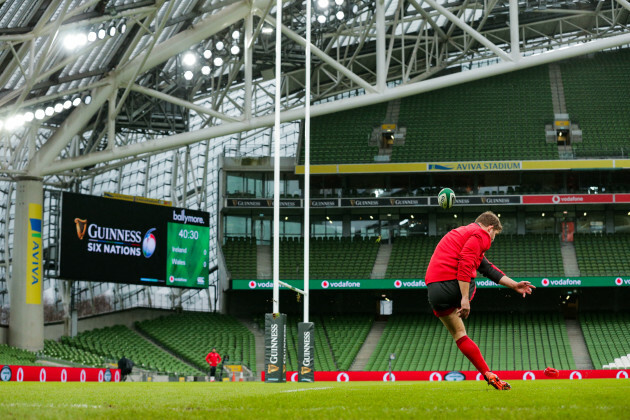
(118, 241)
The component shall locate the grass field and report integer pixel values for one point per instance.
(550, 399)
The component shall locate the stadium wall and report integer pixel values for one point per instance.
(54, 330)
(4, 334)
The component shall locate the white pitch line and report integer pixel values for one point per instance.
(307, 389)
(36, 405)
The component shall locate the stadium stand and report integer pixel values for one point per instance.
(527, 255)
(507, 341)
(119, 341)
(66, 352)
(471, 121)
(191, 335)
(602, 255)
(240, 257)
(607, 337)
(13, 356)
(410, 256)
(343, 137)
(331, 258)
(595, 89)
(346, 334)
(451, 124)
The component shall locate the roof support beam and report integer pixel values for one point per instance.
(467, 28)
(624, 3)
(324, 57)
(181, 102)
(162, 52)
(401, 91)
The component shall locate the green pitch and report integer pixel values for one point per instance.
(586, 399)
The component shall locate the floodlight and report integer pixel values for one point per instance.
(28, 116)
(122, 26)
(322, 4)
(321, 19)
(338, 2)
(218, 61)
(40, 114)
(235, 49)
(69, 42)
(67, 104)
(205, 70)
(340, 15)
(50, 111)
(189, 59)
(101, 33)
(76, 101)
(91, 36)
(112, 30)
(220, 45)
(87, 99)
(188, 75)
(58, 107)
(207, 54)
(81, 40)
(236, 35)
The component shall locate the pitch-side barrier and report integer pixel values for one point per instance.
(57, 374)
(458, 376)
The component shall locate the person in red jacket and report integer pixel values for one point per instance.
(450, 280)
(213, 358)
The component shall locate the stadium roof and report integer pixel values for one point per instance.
(55, 51)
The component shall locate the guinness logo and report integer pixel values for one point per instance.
(305, 370)
(272, 368)
(81, 225)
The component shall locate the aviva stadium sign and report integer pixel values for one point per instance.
(380, 284)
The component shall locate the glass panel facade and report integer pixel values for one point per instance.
(542, 222)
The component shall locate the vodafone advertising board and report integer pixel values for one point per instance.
(438, 376)
(14, 373)
(568, 199)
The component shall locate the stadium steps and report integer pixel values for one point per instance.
(393, 112)
(578, 345)
(161, 347)
(569, 259)
(259, 339)
(382, 261)
(368, 346)
(557, 89)
(264, 269)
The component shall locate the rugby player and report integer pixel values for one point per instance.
(450, 280)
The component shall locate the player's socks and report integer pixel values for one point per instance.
(472, 352)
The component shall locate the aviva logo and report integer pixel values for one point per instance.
(442, 166)
(34, 255)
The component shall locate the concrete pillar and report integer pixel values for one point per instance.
(26, 323)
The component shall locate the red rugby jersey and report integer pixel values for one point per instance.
(459, 254)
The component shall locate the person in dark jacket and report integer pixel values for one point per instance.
(450, 280)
